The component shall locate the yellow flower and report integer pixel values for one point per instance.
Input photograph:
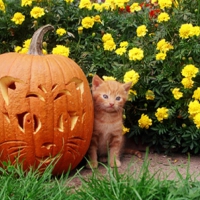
(120, 51)
(194, 108)
(141, 31)
(195, 31)
(161, 113)
(177, 94)
(18, 49)
(26, 2)
(80, 30)
(164, 46)
(97, 6)
(27, 43)
(136, 54)
(144, 121)
(187, 82)
(61, 50)
(163, 17)
(189, 71)
(154, 1)
(87, 22)
(24, 51)
(161, 56)
(185, 31)
(2, 6)
(85, 4)
(125, 130)
(109, 45)
(196, 120)
(18, 18)
(196, 94)
(109, 78)
(123, 44)
(69, 1)
(37, 12)
(165, 3)
(131, 76)
(135, 7)
(61, 31)
(97, 18)
(106, 37)
(132, 92)
(150, 95)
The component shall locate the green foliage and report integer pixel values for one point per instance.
(178, 130)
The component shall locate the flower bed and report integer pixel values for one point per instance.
(155, 45)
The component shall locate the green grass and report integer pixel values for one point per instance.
(136, 185)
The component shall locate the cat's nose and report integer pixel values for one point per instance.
(111, 104)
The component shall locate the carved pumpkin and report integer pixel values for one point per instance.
(46, 109)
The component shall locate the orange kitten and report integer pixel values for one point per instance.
(109, 98)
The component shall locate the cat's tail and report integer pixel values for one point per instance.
(133, 152)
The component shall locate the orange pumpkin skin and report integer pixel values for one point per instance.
(46, 111)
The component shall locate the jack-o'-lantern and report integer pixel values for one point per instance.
(46, 109)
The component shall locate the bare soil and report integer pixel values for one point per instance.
(166, 165)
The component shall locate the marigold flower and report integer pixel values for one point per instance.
(87, 22)
(26, 43)
(97, 6)
(185, 31)
(187, 82)
(37, 12)
(80, 30)
(132, 92)
(97, 18)
(161, 113)
(141, 31)
(177, 94)
(18, 18)
(136, 54)
(26, 2)
(61, 50)
(17, 49)
(2, 6)
(106, 37)
(196, 120)
(193, 108)
(164, 46)
(69, 1)
(163, 17)
(120, 51)
(144, 121)
(125, 130)
(120, 3)
(161, 56)
(196, 94)
(165, 3)
(123, 44)
(150, 95)
(135, 7)
(195, 31)
(108, 78)
(109, 45)
(85, 4)
(131, 76)
(189, 71)
(61, 31)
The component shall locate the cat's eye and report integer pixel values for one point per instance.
(118, 98)
(105, 96)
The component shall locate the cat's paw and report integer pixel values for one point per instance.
(115, 163)
(92, 165)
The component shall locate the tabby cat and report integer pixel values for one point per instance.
(109, 98)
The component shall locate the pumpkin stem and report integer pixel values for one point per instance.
(37, 39)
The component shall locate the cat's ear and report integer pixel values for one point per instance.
(127, 86)
(96, 82)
